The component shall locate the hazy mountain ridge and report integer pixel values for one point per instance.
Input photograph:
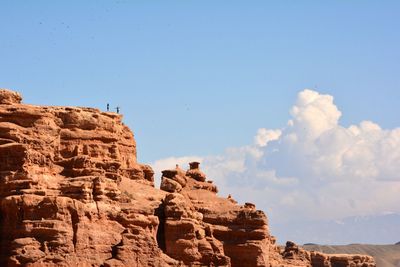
(379, 229)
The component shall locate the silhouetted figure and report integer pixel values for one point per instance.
(108, 107)
(117, 108)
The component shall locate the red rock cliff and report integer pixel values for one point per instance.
(73, 194)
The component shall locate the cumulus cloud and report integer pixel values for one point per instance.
(264, 136)
(313, 168)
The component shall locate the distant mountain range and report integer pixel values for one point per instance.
(380, 229)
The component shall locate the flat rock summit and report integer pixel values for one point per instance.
(73, 194)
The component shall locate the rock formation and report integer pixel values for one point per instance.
(73, 194)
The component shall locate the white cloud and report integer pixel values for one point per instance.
(313, 114)
(264, 136)
(313, 168)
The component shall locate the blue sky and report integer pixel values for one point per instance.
(197, 77)
(229, 67)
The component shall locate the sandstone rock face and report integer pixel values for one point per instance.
(73, 194)
(9, 97)
(65, 180)
(293, 255)
(204, 229)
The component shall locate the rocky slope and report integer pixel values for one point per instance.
(384, 255)
(73, 194)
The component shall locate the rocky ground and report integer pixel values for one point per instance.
(73, 194)
(385, 255)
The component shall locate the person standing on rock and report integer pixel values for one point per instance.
(108, 107)
(117, 108)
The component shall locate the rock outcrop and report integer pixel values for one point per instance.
(65, 180)
(73, 194)
(293, 255)
(217, 230)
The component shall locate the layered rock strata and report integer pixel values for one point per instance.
(65, 178)
(73, 194)
(217, 230)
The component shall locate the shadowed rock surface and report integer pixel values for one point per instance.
(73, 194)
